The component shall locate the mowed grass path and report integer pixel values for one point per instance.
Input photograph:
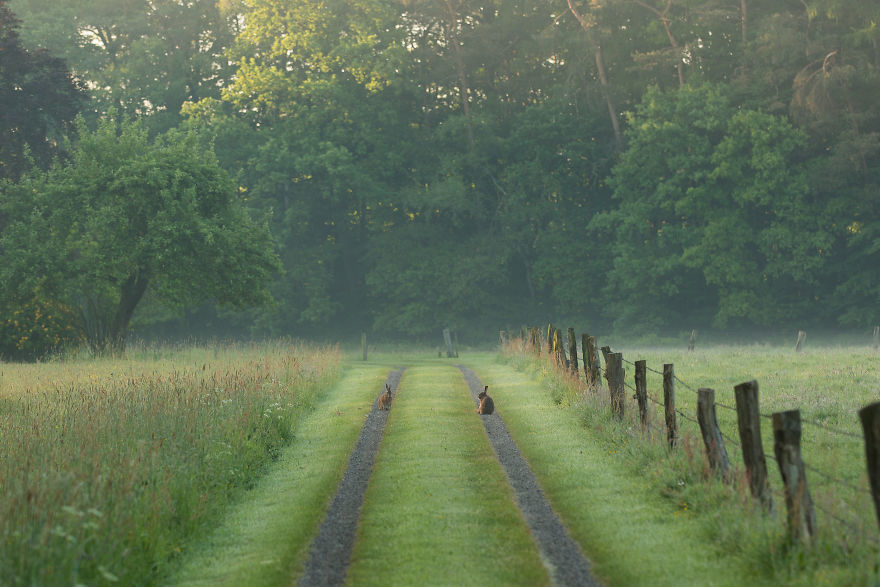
(265, 539)
(439, 509)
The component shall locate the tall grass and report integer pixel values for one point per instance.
(109, 466)
(828, 385)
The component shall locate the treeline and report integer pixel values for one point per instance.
(422, 164)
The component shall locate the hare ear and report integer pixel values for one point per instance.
(386, 387)
(486, 388)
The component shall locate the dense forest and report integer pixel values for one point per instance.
(326, 167)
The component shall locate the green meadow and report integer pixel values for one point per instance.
(216, 466)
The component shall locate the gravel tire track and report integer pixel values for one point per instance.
(562, 555)
(330, 551)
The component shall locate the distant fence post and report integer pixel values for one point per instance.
(876, 337)
(572, 351)
(870, 417)
(749, 422)
(364, 344)
(787, 447)
(802, 336)
(669, 404)
(447, 339)
(595, 370)
(693, 340)
(708, 421)
(642, 392)
(614, 375)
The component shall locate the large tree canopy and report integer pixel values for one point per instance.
(128, 214)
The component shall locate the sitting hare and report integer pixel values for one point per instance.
(487, 406)
(384, 400)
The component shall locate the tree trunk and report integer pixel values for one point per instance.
(130, 296)
(603, 78)
(463, 88)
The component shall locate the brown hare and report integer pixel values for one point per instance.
(384, 400)
(487, 406)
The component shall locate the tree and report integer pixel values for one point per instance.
(38, 101)
(715, 215)
(139, 57)
(127, 214)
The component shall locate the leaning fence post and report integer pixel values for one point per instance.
(642, 391)
(708, 420)
(787, 447)
(614, 374)
(595, 369)
(802, 336)
(870, 417)
(748, 418)
(669, 404)
(573, 350)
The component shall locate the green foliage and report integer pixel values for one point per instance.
(38, 101)
(37, 328)
(126, 214)
(722, 213)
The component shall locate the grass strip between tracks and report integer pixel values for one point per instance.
(264, 540)
(631, 533)
(438, 509)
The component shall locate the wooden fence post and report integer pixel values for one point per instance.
(669, 404)
(573, 351)
(708, 420)
(595, 368)
(606, 350)
(364, 344)
(749, 421)
(787, 447)
(615, 376)
(585, 358)
(802, 336)
(559, 349)
(870, 417)
(876, 337)
(692, 341)
(642, 391)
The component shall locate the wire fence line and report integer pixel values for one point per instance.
(857, 489)
(724, 406)
(849, 500)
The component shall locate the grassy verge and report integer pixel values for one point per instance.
(265, 540)
(438, 509)
(111, 466)
(827, 386)
(630, 531)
